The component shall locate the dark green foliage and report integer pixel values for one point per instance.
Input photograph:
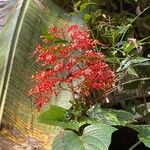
(110, 116)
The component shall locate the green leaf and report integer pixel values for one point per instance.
(146, 63)
(94, 137)
(128, 61)
(87, 17)
(124, 64)
(110, 116)
(121, 29)
(144, 133)
(55, 113)
(57, 116)
(51, 38)
(131, 71)
(85, 5)
(127, 47)
(139, 60)
(112, 60)
(76, 5)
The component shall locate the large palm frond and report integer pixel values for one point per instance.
(21, 24)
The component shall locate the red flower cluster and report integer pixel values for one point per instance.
(67, 55)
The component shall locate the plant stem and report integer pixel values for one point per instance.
(73, 100)
(145, 102)
(92, 34)
(72, 92)
(132, 22)
(144, 98)
(135, 145)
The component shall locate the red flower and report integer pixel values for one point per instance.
(68, 60)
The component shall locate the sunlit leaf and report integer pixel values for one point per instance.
(58, 116)
(94, 137)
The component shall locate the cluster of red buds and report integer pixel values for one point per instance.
(68, 55)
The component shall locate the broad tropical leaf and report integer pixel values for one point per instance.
(6, 10)
(18, 38)
(94, 137)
